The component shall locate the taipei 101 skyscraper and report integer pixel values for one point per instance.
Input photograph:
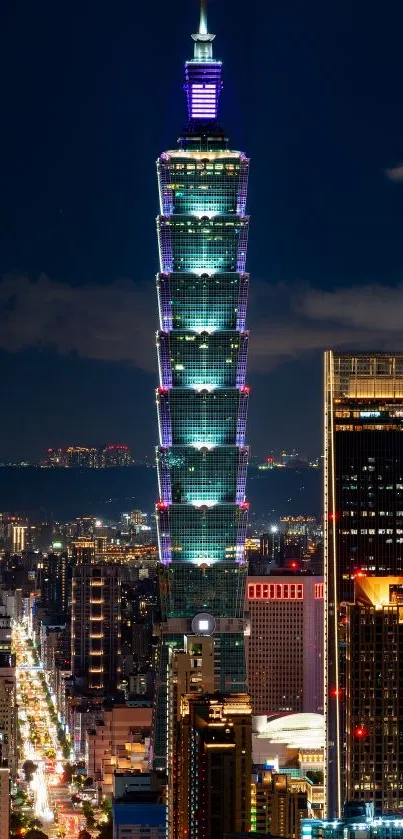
(202, 398)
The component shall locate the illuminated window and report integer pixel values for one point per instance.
(275, 591)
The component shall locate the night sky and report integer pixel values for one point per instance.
(91, 92)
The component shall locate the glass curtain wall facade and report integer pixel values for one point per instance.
(363, 521)
(202, 398)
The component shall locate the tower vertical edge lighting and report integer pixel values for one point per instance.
(202, 396)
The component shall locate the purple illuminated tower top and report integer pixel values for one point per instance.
(203, 74)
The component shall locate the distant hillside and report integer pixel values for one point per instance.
(63, 494)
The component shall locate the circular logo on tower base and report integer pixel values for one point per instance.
(203, 624)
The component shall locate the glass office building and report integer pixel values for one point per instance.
(202, 398)
(363, 521)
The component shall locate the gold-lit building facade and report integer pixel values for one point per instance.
(374, 694)
(214, 764)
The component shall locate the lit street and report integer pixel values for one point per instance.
(41, 745)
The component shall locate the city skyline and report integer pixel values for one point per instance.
(329, 204)
(196, 670)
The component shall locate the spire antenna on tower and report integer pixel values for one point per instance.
(203, 40)
(203, 29)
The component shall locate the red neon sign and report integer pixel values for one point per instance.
(275, 591)
(319, 591)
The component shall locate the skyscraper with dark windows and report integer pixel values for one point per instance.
(374, 695)
(363, 501)
(54, 573)
(96, 628)
(202, 398)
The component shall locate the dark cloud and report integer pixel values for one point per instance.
(395, 173)
(117, 322)
(376, 308)
(289, 321)
(104, 322)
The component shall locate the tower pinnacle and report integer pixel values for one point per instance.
(203, 28)
(203, 40)
(203, 74)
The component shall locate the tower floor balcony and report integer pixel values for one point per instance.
(204, 418)
(188, 243)
(187, 475)
(202, 301)
(202, 534)
(202, 360)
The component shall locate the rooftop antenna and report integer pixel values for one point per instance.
(203, 40)
(203, 29)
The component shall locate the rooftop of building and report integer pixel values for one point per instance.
(384, 825)
(378, 591)
(149, 812)
(298, 731)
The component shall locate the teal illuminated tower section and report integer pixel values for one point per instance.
(202, 398)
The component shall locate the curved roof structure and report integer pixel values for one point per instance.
(295, 731)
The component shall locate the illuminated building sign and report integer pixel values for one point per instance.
(319, 591)
(275, 591)
(370, 414)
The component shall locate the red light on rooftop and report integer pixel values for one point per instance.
(162, 390)
(245, 389)
(270, 459)
(360, 732)
(244, 505)
(293, 564)
(162, 505)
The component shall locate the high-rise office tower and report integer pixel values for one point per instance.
(54, 573)
(214, 765)
(202, 398)
(16, 534)
(8, 713)
(95, 628)
(8, 698)
(363, 521)
(272, 546)
(279, 802)
(285, 643)
(374, 695)
(82, 551)
(191, 670)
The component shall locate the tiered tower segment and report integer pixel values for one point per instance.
(202, 398)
